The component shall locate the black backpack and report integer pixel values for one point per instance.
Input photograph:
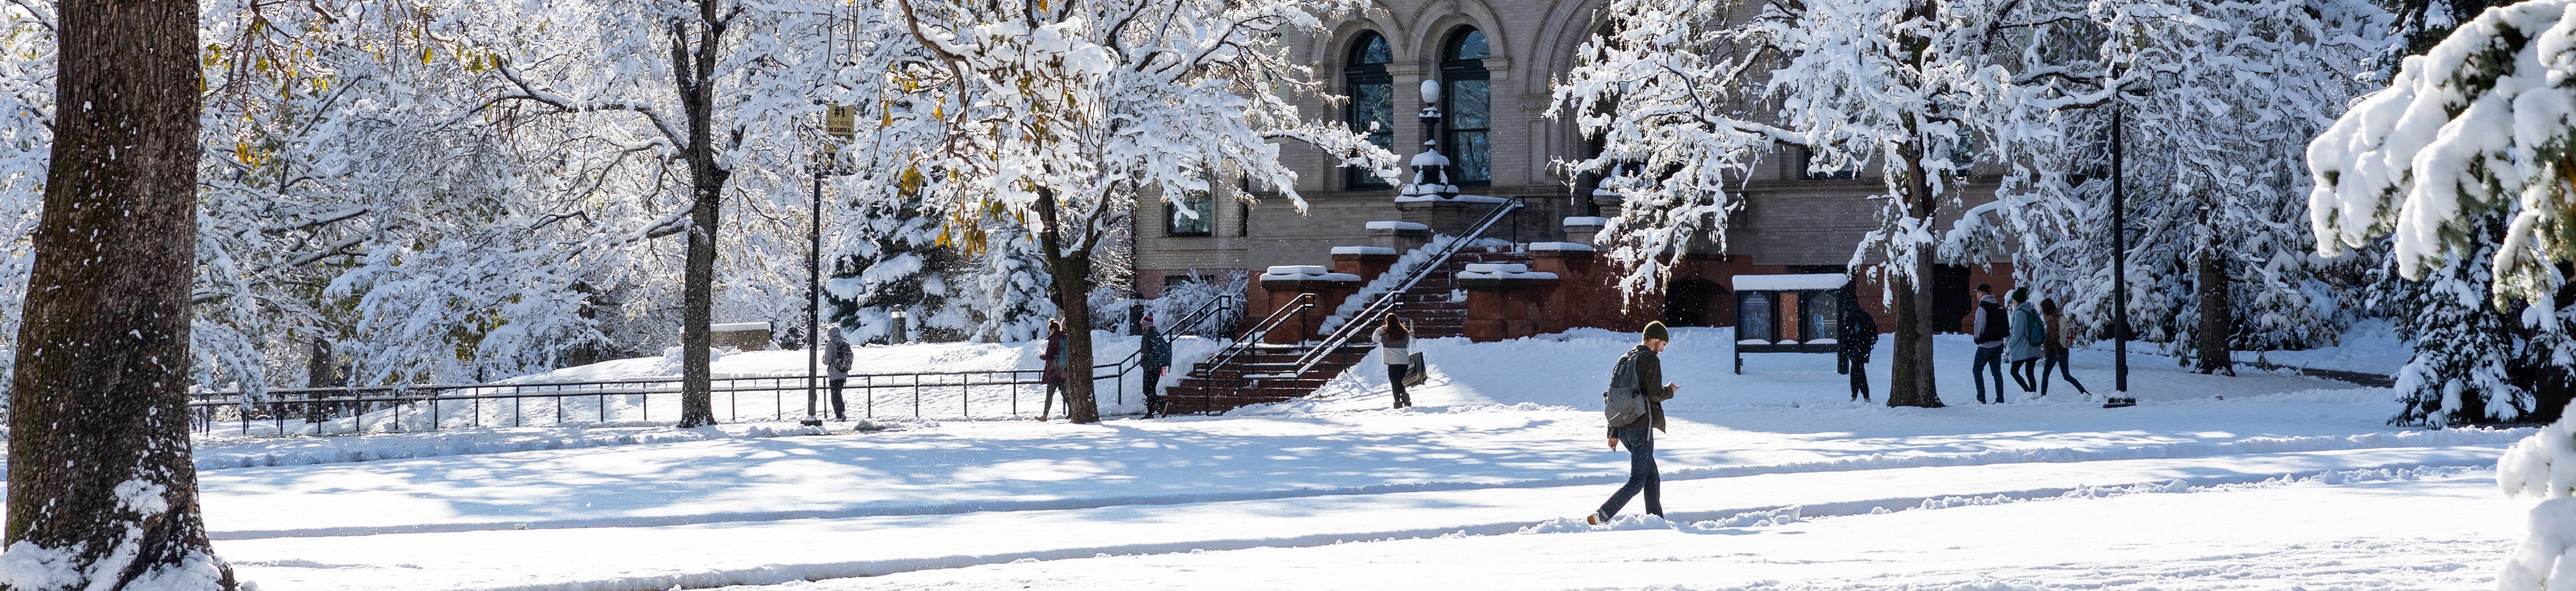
(1998, 327)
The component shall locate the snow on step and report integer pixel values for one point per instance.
(1560, 246)
(1306, 273)
(1502, 271)
(1363, 250)
(1396, 225)
(1586, 221)
(1791, 282)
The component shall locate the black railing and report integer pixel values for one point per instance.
(1385, 302)
(975, 395)
(1252, 337)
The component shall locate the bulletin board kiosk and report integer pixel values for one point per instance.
(1788, 314)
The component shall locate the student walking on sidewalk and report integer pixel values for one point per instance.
(1053, 377)
(1638, 390)
(2055, 350)
(1990, 334)
(1392, 341)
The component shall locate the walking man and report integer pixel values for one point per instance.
(1990, 333)
(1859, 335)
(1639, 378)
(1157, 359)
(836, 358)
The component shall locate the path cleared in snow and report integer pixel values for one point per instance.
(1505, 441)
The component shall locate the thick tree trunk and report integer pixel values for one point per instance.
(692, 66)
(1910, 365)
(1072, 283)
(2217, 321)
(100, 481)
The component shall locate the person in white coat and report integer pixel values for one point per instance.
(1393, 342)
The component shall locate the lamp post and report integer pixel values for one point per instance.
(1430, 169)
(838, 126)
(902, 332)
(2119, 267)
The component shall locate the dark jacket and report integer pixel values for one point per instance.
(1054, 358)
(1650, 383)
(1158, 351)
(2056, 344)
(1859, 331)
(1991, 326)
(836, 357)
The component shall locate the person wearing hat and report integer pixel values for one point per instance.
(1991, 331)
(1157, 359)
(1642, 475)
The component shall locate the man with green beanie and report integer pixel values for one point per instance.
(1648, 376)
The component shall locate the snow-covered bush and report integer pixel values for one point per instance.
(1184, 298)
(2543, 466)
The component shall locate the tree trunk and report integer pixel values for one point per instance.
(1910, 365)
(2217, 322)
(1072, 282)
(100, 481)
(691, 68)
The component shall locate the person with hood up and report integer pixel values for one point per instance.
(1858, 333)
(836, 359)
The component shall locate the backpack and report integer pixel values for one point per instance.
(1623, 403)
(1994, 330)
(2038, 330)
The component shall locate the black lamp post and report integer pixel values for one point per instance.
(1430, 169)
(838, 126)
(2119, 267)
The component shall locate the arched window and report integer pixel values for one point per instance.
(1468, 102)
(1372, 100)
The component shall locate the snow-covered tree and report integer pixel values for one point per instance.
(2542, 466)
(26, 140)
(2463, 165)
(1694, 92)
(727, 93)
(2218, 100)
(1056, 117)
(101, 491)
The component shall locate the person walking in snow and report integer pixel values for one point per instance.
(1637, 387)
(1990, 334)
(836, 359)
(2054, 351)
(1157, 359)
(1858, 333)
(1053, 377)
(2023, 345)
(1393, 342)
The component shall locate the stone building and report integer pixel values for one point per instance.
(1493, 61)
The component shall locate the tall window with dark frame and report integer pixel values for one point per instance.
(1372, 101)
(1193, 214)
(1467, 103)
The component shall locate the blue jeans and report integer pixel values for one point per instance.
(1990, 360)
(1641, 474)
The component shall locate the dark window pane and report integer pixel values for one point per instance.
(1374, 51)
(1194, 215)
(1373, 113)
(1468, 101)
(1470, 46)
(1472, 155)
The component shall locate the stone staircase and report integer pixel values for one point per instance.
(1435, 306)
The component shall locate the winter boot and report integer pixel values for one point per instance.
(1596, 518)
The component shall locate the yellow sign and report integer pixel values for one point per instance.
(841, 121)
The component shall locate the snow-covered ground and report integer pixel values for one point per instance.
(1773, 479)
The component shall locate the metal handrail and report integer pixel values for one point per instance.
(1252, 337)
(1386, 302)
